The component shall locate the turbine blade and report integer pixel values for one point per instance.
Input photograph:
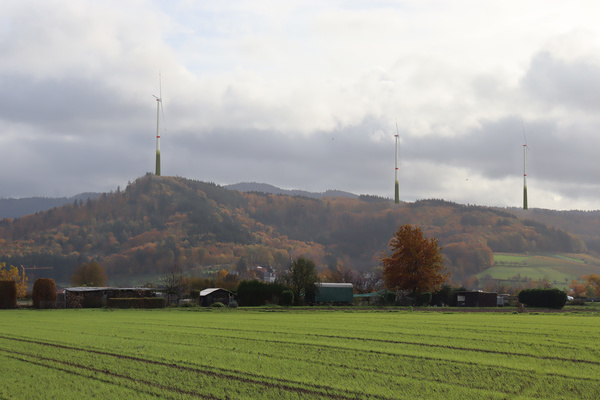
(524, 136)
(160, 99)
(159, 85)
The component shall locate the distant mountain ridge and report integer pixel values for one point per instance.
(15, 208)
(270, 189)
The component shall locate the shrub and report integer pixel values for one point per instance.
(287, 298)
(550, 298)
(386, 298)
(188, 304)
(195, 295)
(44, 293)
(136, 302)
(8, 294)
(233, 304)
(217, 304)
(423, 299)
(257, 293)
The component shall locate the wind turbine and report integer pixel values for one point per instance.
(159, 108)
(397, 188)
(524, 167)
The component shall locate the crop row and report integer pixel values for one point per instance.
(244, 354)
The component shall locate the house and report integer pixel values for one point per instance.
(95, 297)
(265, 274)
(477, 298)
(334, 293)
(215, 295)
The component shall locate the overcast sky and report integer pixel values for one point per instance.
(305, 95)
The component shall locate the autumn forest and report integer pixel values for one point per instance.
(157, 223)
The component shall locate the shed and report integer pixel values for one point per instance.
(477, 299)
(95, 297)
(381, 297)
(215, 295)
(334, 293)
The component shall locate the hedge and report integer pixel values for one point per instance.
(8, 294)
(137, 302)
(548, 298)
(257, 293)
(423, 299)
(44, 293)
(287, 298)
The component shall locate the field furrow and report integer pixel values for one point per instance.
(130, 367)
(245, 354)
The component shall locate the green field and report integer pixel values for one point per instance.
(560, 269)
(262, 354)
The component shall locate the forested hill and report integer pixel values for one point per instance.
(13, 208)
(159, 222)
(584, 224)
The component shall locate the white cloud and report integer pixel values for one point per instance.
(304, 95)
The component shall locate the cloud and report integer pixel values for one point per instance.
(559, 83)
(303, 95)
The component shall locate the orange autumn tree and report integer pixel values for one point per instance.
(593, 281)
(578, 289)
(416, 263)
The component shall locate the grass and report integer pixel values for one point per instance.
(509, 258)
(291, 354)
(535, 273)
(558, 268)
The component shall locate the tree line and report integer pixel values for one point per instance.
(160, 221)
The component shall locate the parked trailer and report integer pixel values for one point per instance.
(334, 293)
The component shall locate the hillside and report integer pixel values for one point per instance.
(584, 224)
(14, 208)
(160, 222)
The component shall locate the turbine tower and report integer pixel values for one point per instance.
(524, 167)
(158, 109)
(525, 177)
(397, 188)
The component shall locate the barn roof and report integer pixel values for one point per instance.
(86, 289)
(99, 288)
(329, 284)
(208, 291)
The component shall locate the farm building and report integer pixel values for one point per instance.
(381, 297)
(476, 299)
(334, 293)
(215, 295)
(95, 297)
